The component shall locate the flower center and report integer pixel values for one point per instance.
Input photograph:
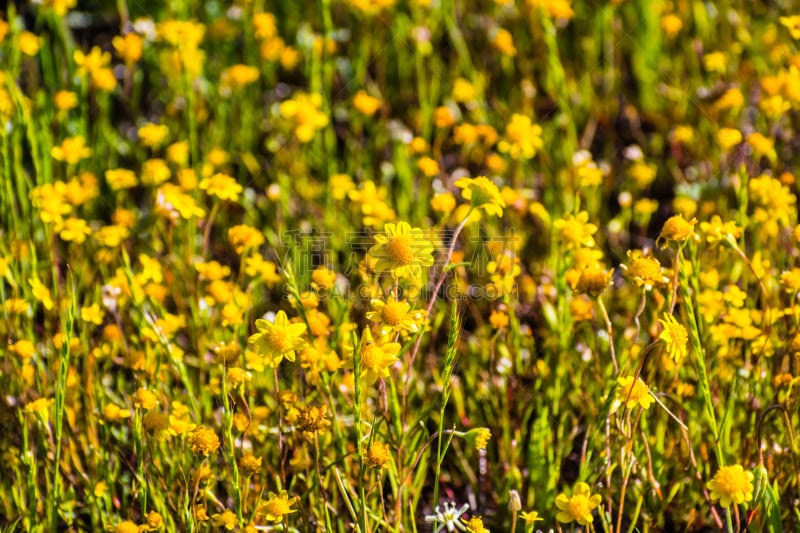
(279, 340)
(579, 507)
(399, 249)
(369, 356)
(730, 483)
(393, 313)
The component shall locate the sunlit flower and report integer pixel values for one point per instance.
(482, 194)
(128, 47)
(376, 358)
(72, 150)
(645, 270)
(577, 507)
(475, 525)
(222, 186)
(378, 455)
(731, 485)
(676, 229)
(276, 506)
(632, 392)
(203, 441)
(366, 104)
(279, 339)
(575, 231)
(402, 250)
(227, 519)
(675, 337)
(395, 316)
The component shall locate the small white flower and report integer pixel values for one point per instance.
(449, 518)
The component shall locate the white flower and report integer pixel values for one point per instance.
(449, 518)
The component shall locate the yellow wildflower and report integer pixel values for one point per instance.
(277, 340)
(577, 507)
(277, 506)
(731, 485)
(632, 392)
(482, 194)
(401, 250)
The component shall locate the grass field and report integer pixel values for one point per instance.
(399, 265)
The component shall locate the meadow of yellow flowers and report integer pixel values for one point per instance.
(399, 265)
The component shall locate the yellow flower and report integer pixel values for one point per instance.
(632, 393)
(475, 525)
(504, 43)
(593, 281)
(304, 111)
(482, 194)
(95, 65)
(645, 270)
(92, 314)
(675, 337)
(60, 7)
(278, 339)
(366, 104)
(203, 441)
(530, 517)
(728, 138)
(376, 358)
(72, 150)
(395, 316)
(250, 465)
(575, 231)
(128, 47)
(40, 408)
(277, 506)
(23, 348)
(677, 229)
(41, 293)
(715, 230)
(74, 230)
(154, 521)
(29, 43)
(244, 237)
(731, 485)
(239, 76)
(222, 186)
(579, 506)
(65, 100)
(401, 250)
(443, 202)
(522, 138)
(226, 519)
(120, 178)
(378, 455)
(145, 399)
(153, 135)
(114, 413)
(126, 526)
(792, 24)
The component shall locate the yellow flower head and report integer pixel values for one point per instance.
(279, 339)
(376, 358)
(579, 506)
(203, 441)
(675, 337)
(378, 455)
(395, 316)
(277, 506)
(475, 525)
(676, 229)
(632, 392)
(226, 519)
(731, 485)
(402, 250)
(575, 231)
(483, 194)
(222, 186)
(72, 150)
(645, 270)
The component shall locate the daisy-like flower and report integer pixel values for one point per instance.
(575, 230)
(279, 339)
(676, 229)
(222, 186)
(645, 270)
(675, 337)
(402, 250)
(483, 194)
(731, 484)
(632, 392)
(277, 506)
(395, 317)
(579, 506)
(448, 518)
(530, 517)
(376, 358)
